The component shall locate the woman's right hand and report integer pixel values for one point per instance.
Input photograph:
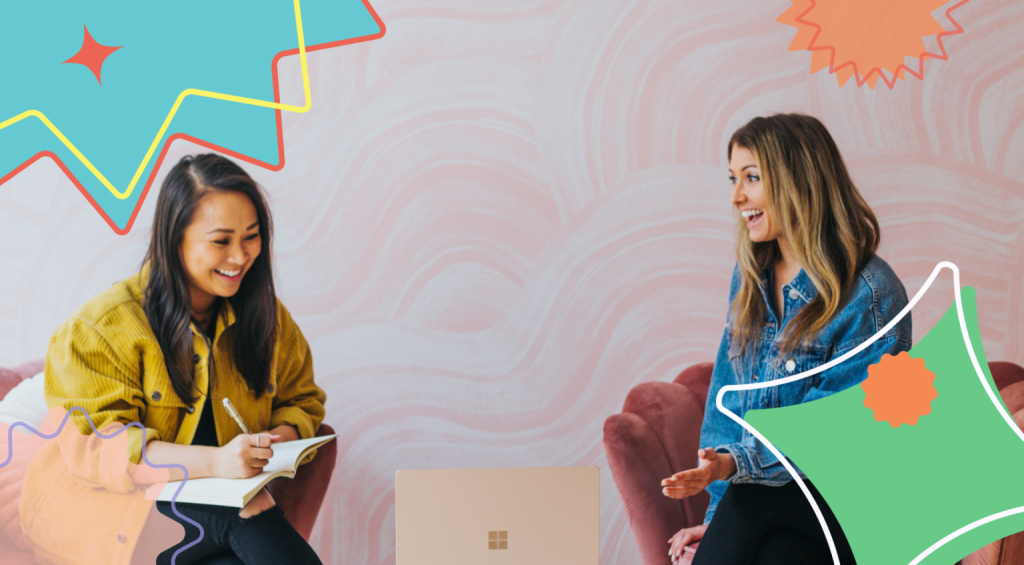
(683, 538)
(241, 459)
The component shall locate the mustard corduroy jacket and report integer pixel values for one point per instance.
(106, 360)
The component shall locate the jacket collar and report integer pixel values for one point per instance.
(225, 318)
(137, 286)
(801, 283)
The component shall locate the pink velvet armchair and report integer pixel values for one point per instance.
(299, 498)
(658, 432)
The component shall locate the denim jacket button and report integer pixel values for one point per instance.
(755, 377)
(790, 365)
(793, 294)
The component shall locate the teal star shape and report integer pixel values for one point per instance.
(118, 126)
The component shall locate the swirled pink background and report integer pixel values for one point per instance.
(500, 217)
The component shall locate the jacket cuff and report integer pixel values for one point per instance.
(293, 416)
(135, 441)
(300, 419)
(747, 468)
(114, 474)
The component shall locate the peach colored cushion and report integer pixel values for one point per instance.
(10, 556)
(11, 478)
(23, 402)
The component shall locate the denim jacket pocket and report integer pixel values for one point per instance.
(795, 362)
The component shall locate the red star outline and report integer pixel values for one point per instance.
(234, 154)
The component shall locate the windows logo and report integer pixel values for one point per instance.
(497, 540)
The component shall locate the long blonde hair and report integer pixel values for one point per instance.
(827, 222)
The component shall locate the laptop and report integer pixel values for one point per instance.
(523, 516)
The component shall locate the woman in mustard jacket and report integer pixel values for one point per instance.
(199, 323)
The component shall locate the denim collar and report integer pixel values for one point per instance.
(801, 283)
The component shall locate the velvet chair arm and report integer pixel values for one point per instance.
(301, 498)
(657, 434)
(1009, 550)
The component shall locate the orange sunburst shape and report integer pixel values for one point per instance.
(864, 37)
(899, 389)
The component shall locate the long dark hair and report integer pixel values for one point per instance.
(167, 300)
(829, 225)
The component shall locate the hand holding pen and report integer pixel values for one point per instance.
(247, 454)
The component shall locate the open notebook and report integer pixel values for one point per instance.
(238, 492)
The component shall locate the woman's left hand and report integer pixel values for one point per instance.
(711, 467)
(682, 539)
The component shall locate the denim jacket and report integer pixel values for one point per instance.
(876, 297)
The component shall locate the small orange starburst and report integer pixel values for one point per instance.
(863, 37)
(899, 389)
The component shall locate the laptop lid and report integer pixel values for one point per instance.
(528, 516)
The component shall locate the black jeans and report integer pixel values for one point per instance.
(765, 525)
(228, 539)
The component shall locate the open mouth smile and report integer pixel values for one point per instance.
(753, 216)
(232, 276)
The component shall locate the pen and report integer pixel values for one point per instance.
(234, 414)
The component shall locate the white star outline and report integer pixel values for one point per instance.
(977, 369)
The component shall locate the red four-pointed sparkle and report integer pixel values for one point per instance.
(92, 55)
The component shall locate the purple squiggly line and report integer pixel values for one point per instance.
(174, 508)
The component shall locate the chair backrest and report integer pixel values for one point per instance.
(697, 378)
(1005, 373)
(9, 378)
(302, 497)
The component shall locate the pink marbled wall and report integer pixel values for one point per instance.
(503, 215)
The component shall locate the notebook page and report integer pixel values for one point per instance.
(213, 490)
(217, 490)
(287, 454)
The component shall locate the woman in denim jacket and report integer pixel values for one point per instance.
(807, 288)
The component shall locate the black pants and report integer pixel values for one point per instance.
(765, 525)
(228, 539)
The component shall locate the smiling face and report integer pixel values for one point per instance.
(219, 246)
(748, 196)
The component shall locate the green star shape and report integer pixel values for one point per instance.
(928, 493)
